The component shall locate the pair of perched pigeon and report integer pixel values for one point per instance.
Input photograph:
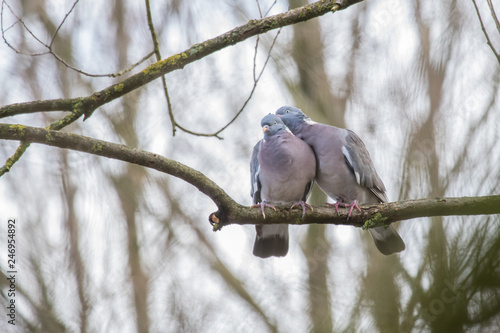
(284, 167)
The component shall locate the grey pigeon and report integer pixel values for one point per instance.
(282, 173)
(345, 170)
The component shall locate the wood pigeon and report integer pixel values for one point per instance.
(282, 173)
(345, 170)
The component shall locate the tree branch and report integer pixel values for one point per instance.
(178, 61)
(370, 215)
(490, 44)
(120, 152)
(230, 212)
(56, 126)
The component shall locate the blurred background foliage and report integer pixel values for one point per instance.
(110, 247)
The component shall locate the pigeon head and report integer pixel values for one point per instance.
(272, 124)
(292, 117)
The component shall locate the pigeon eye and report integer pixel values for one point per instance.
(287, 111)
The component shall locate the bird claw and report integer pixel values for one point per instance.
(336, 205)
(303, 205)
(262, 205)
(351, 206)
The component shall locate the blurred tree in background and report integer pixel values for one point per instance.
(106, 246)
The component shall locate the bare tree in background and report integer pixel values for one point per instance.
(108, 246)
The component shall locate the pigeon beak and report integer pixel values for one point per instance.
(265, 128)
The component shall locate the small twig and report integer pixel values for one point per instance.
(61, 24)
(269, 54)
(255, 58)
(49, 46)
(156, 51)
(256, 80)
(14, 158)
(131, 67)
(270, 7)
(19, 20)
(267, 11)
(494, 15)
(179, 126)
(258, 7)
(117, 74)
(484, 29)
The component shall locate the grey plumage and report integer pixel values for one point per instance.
(345, 169)
(282, 172)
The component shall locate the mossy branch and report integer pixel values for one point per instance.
(254, 27)
(230, 212)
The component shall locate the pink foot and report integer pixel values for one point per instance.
(303, 205)
(262, 205)
(336, 205)
(353, 205)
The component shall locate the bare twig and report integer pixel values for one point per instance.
(61, 24)
(117, 74)
(18, 20)
(267, 11)
(256, 79)
(255, 57)
(50, 44)
(270, 7)
(494, 15)
(14, 158)
(258, 7)
(497, 55)
(231, 212)
(129, 68)
(174, 123)
(255, 82)
(157, 53)
(171, 115)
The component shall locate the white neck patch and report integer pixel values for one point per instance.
(309, 121)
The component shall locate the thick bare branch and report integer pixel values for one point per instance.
(231, 212)
(178, 61)
(370, 216)
(119, 152)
